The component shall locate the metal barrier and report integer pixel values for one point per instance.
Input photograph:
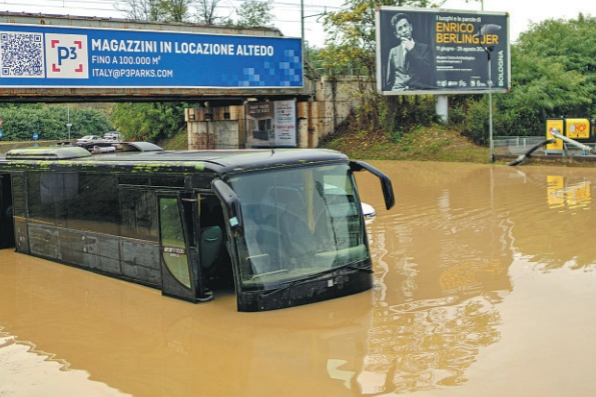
(516, 144)
(521, 144)
(571, 150)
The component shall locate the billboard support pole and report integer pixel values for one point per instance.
(442, 108)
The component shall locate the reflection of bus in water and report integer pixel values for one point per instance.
(284, 227)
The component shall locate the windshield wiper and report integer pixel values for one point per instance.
(289, 284)
(362, 269)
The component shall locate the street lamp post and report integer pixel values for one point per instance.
(302, 21)
(68, 124)
(483, 30)
(490, 105)
(302, 18)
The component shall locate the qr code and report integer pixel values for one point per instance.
(21, 54)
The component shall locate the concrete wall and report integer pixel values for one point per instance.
(221, 134)
(210, 128)
(215, 128)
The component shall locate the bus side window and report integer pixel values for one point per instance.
(137, 214)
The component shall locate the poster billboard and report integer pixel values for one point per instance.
(435, 51)
(271, 124)
(52, 56)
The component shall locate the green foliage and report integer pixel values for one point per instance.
(476, 121)
(175, 10)
(553, 71)
(87, 121)
(22, 121)
(314, 65)
(399, 115)
(255, 14)
(207, 13)
(178, 142)
(149, 121)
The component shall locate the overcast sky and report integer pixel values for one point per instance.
(288, 11)
(522, 12)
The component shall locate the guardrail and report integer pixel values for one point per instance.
(571, 150)
(521, 144)
(516, 144)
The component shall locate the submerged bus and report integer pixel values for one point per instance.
(281, 227)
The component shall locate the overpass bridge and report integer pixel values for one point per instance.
(242, 81)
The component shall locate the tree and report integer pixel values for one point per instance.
(255, 14)
(207, 13)
(49, 122)
(553, 74)
(141, 10)
(156, 10)
(176, 10)
(149, 121)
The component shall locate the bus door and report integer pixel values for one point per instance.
(6, 216)
(180, 273)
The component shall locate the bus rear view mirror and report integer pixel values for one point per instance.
(357, 166)
(230, 199)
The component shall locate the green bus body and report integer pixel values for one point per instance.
(282, 228)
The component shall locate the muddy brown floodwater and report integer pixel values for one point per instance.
(485, 286)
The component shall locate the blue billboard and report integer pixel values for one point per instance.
(48, 56)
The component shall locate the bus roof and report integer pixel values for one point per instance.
(220, 161)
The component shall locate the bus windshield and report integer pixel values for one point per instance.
(297, 223)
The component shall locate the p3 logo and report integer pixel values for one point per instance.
(67, 56)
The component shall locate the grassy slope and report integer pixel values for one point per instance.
(178, 142)
(435, 143)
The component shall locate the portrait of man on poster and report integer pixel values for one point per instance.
(410, 63)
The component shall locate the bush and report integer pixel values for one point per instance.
(49, 122)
